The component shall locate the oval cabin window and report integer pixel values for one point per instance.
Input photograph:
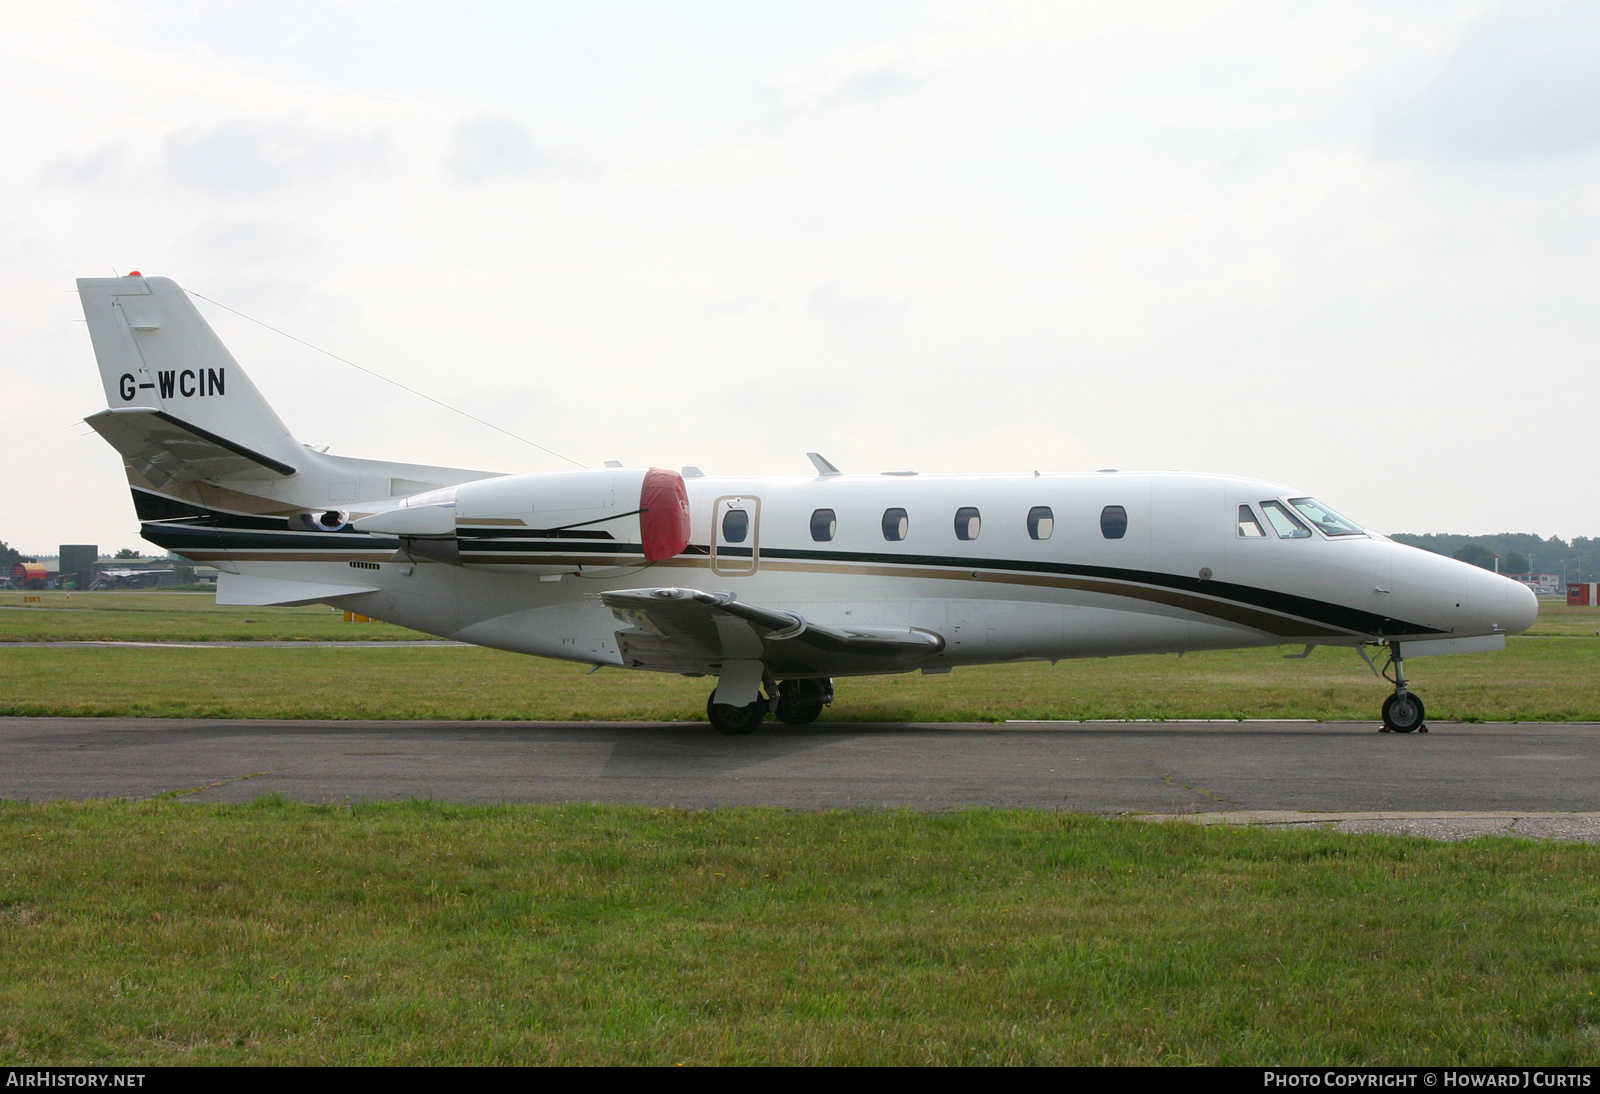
(735, 526)
(895, 525)
(1041, 522)
(1113, 522)
(824, 525)
(968, 523)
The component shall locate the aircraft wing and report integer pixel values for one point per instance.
(164, 449)
(685, 630)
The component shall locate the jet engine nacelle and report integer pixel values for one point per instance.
(546, 522)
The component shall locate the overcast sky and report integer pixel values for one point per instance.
(1348, 247)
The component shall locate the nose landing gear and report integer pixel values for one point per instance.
(1403, 712)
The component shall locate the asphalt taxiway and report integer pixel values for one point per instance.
(1492, 777)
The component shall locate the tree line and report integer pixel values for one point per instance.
(1520, 552)
(9, 557)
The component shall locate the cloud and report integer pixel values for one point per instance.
(1523, 84)
(863, 78)
(745, 305)
(840, 304)
(1170, 211)
(86, 169)
(251, 155)
(233, 242)
(488, 147)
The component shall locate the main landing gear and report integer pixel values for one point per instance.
(735, 721)
(1402, 712)
(800, 702)
(797, 703)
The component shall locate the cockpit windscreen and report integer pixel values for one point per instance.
(1327, 521)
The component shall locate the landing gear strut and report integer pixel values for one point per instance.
(1402, 712)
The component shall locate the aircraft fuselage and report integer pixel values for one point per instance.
(1179, 577)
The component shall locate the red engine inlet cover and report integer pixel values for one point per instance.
(663, 514)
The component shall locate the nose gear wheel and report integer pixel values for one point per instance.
(1403, 714)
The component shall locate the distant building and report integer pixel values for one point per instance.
(1583, 594)
(77, 565)
(108, 575)
(1542, 584)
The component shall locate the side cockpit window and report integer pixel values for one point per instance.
(824, 525)
(1249, 526)
(1283, 522)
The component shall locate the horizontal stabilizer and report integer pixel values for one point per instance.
(259, 591)
(686, 630)
(164, 449)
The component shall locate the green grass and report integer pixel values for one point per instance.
(191, 617)
(1554, 676)
(1536, 679)
(174, 617)
(164, 933)
(1556, 619)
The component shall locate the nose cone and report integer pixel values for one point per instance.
(1500, 605)
(1522, 607)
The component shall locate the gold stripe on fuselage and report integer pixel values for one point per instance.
(1226, 610)
(1231, 611)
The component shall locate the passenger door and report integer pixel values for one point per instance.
(736, 536)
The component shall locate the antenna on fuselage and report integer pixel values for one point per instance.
(822, 465)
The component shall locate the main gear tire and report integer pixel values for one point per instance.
(798, 711)
(800, 702)
(735, 721)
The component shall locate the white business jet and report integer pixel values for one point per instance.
(773, 585)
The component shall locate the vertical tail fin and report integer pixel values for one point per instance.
(196, 437)
(158, 354)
